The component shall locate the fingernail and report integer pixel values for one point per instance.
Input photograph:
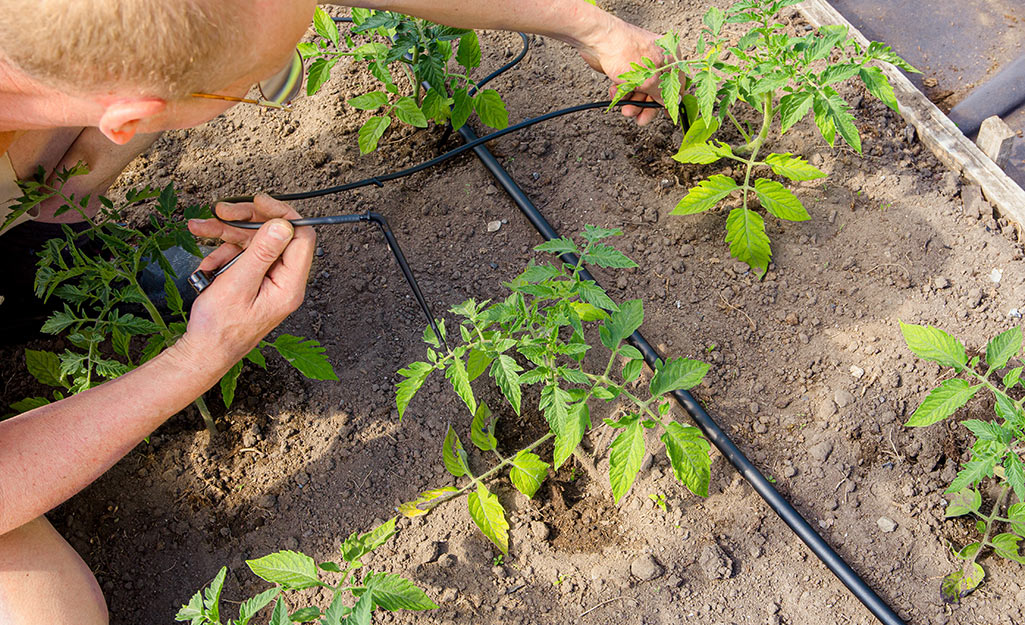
(196, 222)
(281, 231)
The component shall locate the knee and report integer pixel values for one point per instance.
(43, 580)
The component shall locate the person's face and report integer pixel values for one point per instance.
(275, 26)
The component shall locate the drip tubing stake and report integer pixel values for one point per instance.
(708, 426)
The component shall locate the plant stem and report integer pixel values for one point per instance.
(208, 419)
(993, 514)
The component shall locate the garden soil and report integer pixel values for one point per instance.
(809, 374)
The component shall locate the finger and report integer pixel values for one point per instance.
(293, 271)
(219, 257)
(214, 229)
(264, 250)
(267, 207)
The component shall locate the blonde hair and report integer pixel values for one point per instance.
(164, 48)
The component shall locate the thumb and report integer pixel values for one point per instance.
(263, 250)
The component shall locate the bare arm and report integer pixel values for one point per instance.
(607, 43)
(50, 453)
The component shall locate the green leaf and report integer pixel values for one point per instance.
(596, 296)
(371, 132)
(305, 615)
(488, 514)
(879, 85)
(571, 432)
(491, 109)
(290, 569)
(306, 355)
(415, 374)
(960, 583)
(554, 405)
(435, 106)
(838, 73)
(560, 246)
(318, 74)
(793, 108)
(456, 374)
(251, 606)
(1017, 515)
(468, 54)
(714, 18)
(624, 322)
(834, 110)
(707, 85)
(44, 367)
(677, 374)
(453, 454)
(1002, 348)
(505, 370)
(986, 431)
(1011, 377)
(358, 545)
(482, 430)
(174, 298)
(700, 131)
(975, 470)
(625, 458)
(607, 256)
(1006, 409)
(336, 611)
(688, 453)
(408, 112)
(968, 552)
(362, 612)
(793, 167)
(745, 232)
(477, 363)
(212, 595)
(669, 85)
(462, 108)
(1006, 546)
(964, 502)
(779, 201)
(934, 345)
(325, 26)
(369, 101)
(1014, 474)
(632, 370)
(228, 383)
(192, 611)
(392, 592)
(29, 403)
(942, 402)
(700, 153)
(528, 472)
(426, 501)
(705, 195)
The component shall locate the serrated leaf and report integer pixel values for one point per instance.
(228, 383)
(879, 85)
(462, 108)
(625, 456)
(624, 322)
(779, 201)
(325, 26)
(632, 370)
(688, 453)
(974, 471)
(29, 403)
(837, 111)
(192, 611)
(490, 108)
(745, 232)
(1003, 347)
(707, 85)
(1014, 474)
(336, 611)
(1012, 377)
(250, 607)
(942, 402)
(669, 86)
(571, 432)
(44, 367)
(1006, 409)
(1016, 514)
(1006, 546)
(482, 430)
(793, 167)
(488, 514)
(714, 18)
(705, 195)
(607, 256)
(505, 370)
(596, 296)
(305, 615)
(408, 112)
(528, 472)
(792, 109)
(212, 595)
(934, 345)
(426, 501)
(415, 374)
(306, 355)
(370, 133)
(392, 592)
(318, 74)
(959, 584)
(468, 54)
(964, 502)
(968, 552)
(362, 612)
(677, 374)
(456, 374)
(986, 431)
(369, 101)
(290, 569)
(453, 454)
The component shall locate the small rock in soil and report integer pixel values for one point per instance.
(715, 563)
(974, 298)
(267, 501)
(843, 397)
(820, 452)
(428, 551)
(974, 205)
(886, 524)
(646, 568)
(539, 530)
(446, 560)
(493, 226)
(826, 410)
(857, 372)
(941, 283)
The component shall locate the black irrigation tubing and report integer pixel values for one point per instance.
(705, 422)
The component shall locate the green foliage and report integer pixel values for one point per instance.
(538, 336)
(292, 571)
(999, 443)
(426, 53)
(781, 78)
(109, 322)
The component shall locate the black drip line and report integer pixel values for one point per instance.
(715, 434)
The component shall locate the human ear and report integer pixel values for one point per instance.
(121, 119)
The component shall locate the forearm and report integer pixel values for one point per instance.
(576, 22)
(50, 453)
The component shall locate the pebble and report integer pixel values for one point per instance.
(820, 452)
(646, 568)
(715, 563)
(826, 409)
(843, 397)
(268, 501)
(493, 226)
(886, 524)
(974, 298)
(857, 372)
(941, 283)
(539, 530)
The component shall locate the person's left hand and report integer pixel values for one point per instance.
(621, 44)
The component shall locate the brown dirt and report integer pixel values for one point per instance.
(301, 464)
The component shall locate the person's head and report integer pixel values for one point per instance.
(135, 62)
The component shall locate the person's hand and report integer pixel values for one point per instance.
(611, 54)
(255, 294)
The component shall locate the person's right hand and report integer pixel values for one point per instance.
(255, 294)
